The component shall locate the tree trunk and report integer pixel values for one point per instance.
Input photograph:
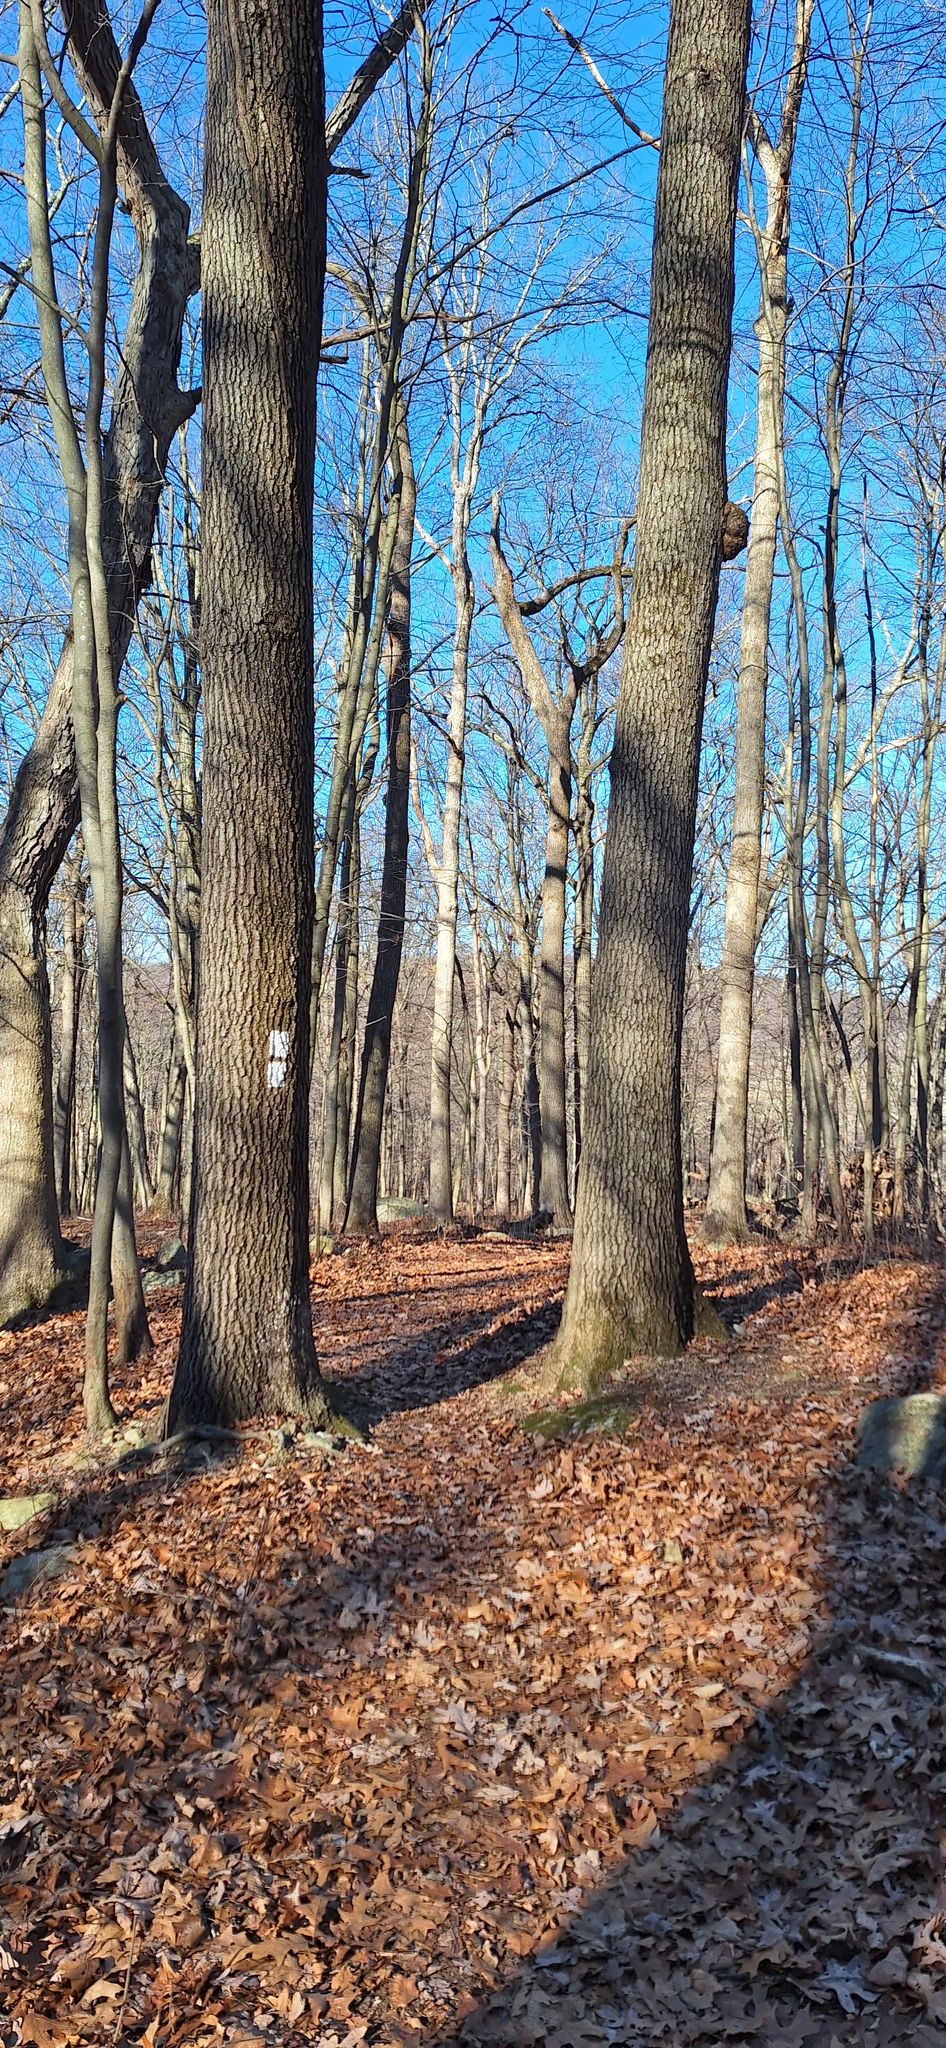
(167, 1192)
(142, 1184)
(330, 1102)
(504, 1114)
(553, 1186)
(246, 1342)
(726, 1217)
(362, 1214)
(72, 970)
(631, 1285)
(30, 1248)
(147, 408)
(346, 1064)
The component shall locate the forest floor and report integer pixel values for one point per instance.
(481, 1733)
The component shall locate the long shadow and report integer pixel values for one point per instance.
(449, 1358)
(295, 1731)
(797, 1896)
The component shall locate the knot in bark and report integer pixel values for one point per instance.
(735, 531)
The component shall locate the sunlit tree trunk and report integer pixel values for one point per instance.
(246, 1342)
(726, 1217)
(631, 1285)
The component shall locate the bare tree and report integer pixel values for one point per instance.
(631, 1284)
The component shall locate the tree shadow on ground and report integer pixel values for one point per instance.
(796, 1897)
(341, 1743)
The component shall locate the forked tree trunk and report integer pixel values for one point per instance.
(246, 1342)
(631, 1286)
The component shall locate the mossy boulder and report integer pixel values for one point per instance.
(905, 1433)
(19, 1508)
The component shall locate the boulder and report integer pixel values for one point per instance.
(171, 1257)
(399, 1209)
(34, 1564)
(18, 1509)
(152, 1283)
(905, 1433)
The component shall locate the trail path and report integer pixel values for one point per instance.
(475, 1734)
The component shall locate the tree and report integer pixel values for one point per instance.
(246, 1342)
(94, 677)
(555, 711)
(147, 409)
(726, 1217)
(362, 1210)
(631, 1285)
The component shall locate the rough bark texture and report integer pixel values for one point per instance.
(362, 1212)
(246, 1342)
(631, 1285)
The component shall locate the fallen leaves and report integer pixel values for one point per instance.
(607, 1737)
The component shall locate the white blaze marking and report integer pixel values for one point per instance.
(278, 1058)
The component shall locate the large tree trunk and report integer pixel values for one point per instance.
(631, 1285)
(362, 1213)
(246, 1343)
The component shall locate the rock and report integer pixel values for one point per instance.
(17, 1509)
(398, 1209)
(76, 1258)
(153, 1283)
(170, 1257)
(35, 1564)
(905, 1434)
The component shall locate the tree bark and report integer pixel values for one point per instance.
(631, 1285)
(246, 1342)
(362, 1213)
(72, 975)
(726, 1216)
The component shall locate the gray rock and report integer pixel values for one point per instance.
(171, 1257)
(153, 1283)
(905, 1434)
(398, 1209)
(18, 1509)
(35, 1564)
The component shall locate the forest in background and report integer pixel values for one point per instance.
(472, 1026)
(482, 364)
